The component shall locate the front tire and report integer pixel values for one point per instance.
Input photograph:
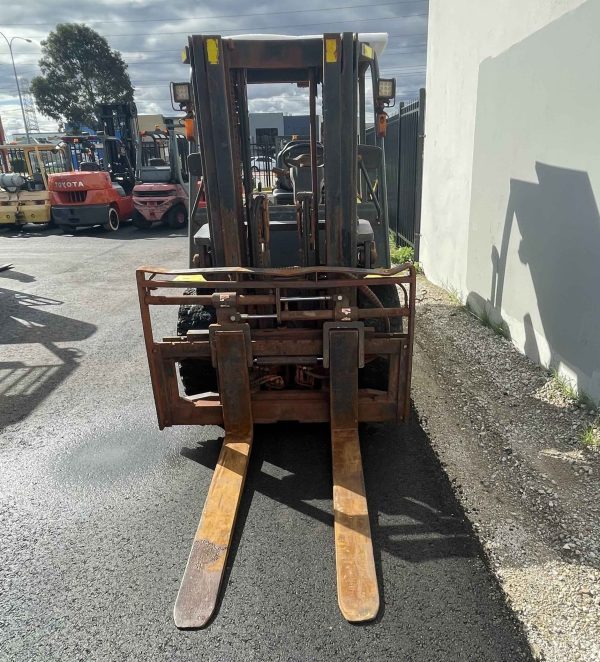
(197, 375)
(375, 373)
(177, 217)
(113, 221)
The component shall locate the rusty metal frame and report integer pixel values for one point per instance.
(327, 294)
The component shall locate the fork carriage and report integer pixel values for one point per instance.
(315, 301)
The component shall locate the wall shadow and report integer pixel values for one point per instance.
(534, 227)
(32, 363)
(559, 225)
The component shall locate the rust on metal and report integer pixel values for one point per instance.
(283, 288)
(199, 590)
(358, 594)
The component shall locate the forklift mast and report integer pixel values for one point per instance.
(119, 120)
(222, 69)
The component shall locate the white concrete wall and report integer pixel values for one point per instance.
(265, 121)
(511, 179)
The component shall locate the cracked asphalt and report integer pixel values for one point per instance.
(98, 508)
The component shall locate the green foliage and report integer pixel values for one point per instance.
(79, 71)
(403, 254)
(454, 295)
(483, 315)
(590, 437)
(564, 387)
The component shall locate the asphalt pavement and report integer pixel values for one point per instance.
(98, 507)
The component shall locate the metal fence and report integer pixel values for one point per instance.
(403, 147)
(262, 161)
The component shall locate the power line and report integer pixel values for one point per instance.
(156, 61)
(178, 50)
(413, 48)
(277, 27)
(210, 18)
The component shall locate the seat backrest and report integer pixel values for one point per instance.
(155, 174)
(302, 179)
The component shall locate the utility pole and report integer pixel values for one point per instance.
(17, 79)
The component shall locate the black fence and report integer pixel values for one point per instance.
(404, 170)
(262, 162)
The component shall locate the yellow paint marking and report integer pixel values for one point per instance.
(330, 50)
(212, 51)
(199, 278)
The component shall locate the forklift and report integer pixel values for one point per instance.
(286, 312)
(24, 171)
(100, 191)
(161, 196)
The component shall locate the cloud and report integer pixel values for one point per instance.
(151, 34)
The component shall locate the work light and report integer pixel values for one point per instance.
(181, 93)
(386, 90)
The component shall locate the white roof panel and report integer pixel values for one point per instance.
(378, 40)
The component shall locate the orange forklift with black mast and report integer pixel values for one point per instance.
(100, 192)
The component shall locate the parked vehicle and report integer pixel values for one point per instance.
(24, 171)
(162, 195)
(100, 192)
(262, 163)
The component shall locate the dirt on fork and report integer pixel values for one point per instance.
(511, 442)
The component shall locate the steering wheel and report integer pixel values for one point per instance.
(297, 155)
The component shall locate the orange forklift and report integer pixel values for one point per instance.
(100, 191)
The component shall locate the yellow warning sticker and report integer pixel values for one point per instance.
(191, 277)
(330, 50)
(212, 51)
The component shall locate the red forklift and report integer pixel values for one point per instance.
(100, 191)
(162, 195)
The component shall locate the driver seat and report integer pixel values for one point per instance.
(302, 179)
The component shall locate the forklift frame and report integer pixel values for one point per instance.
(299, 327)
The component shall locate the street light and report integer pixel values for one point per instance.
(17, 79)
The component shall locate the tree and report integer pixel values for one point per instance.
(79, 71)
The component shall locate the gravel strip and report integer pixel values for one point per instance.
(521, 454)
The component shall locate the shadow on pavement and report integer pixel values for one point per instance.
(415, 517)
(126, 231)
(32, 364)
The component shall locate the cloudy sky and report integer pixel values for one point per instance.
(151, 35)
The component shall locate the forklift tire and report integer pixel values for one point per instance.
(375, 373)
(197, 376)
(112, 223)
(140, 221)
(177, 217)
